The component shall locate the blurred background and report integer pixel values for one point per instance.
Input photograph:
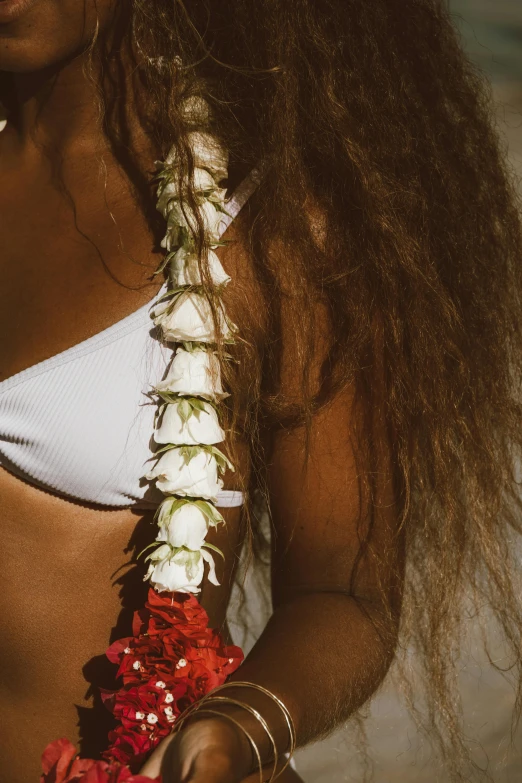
(491, 33)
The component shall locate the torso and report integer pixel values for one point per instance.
(67, 584)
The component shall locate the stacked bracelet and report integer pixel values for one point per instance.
(207, 710)
(201, 707)
(282, 706)
(259, 718)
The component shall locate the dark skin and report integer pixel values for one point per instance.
(65, 280)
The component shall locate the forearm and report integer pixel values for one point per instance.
(324, 654)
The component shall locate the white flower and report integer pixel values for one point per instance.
(181, 571)
(169, 570)
(208, 154)
(189, 318)
(219, 196)
(167, 193)
(196, 373)
(184, 269)
(210, 211)
(203, 183)
(202, 426)
(213, 220)
(171, 239)
(170, 508)
(187, 527)
(199, 478)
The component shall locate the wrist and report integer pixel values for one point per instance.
(222, 735)
(264, 728)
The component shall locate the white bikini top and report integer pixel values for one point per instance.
(80, 424)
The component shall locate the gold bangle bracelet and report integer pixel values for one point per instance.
(192, 709)
(249, 737)
(182, 717)
(226, 700)
(197, 706)
(282, 706)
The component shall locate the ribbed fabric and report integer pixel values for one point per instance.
(80, 424)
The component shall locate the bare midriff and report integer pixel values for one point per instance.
(68, 587)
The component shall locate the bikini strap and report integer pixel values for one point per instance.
(240, 197)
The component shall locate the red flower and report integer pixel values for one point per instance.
(172, 660)
(149, 705)
(60, 765)
(177, 607)
(128, 745)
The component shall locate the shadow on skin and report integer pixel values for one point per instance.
(96, 721)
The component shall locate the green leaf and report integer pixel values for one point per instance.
(192, 564)
(177, 503)
(222, 460)
(214, 548)
(175, 551)
(164, 262)
(154, 543)
(184, 410)
(189, 452)
(210, 512)
(198, 405)
(172, 292)
(163, 449)
(167, 396)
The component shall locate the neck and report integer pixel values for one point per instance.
(54, 108)
(58, 110)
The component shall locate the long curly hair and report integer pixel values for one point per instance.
(370, 116)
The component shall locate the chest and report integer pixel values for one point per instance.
(76, 255)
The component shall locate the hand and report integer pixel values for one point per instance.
(207, 750)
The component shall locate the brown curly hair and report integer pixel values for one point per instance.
(368, 115)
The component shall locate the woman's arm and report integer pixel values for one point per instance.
(329, 641)
(336, 585)
(337, 564)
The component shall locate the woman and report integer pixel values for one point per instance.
(375, 295)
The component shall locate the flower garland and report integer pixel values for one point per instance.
(174, 658)
(171, 661)
(190, 466)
